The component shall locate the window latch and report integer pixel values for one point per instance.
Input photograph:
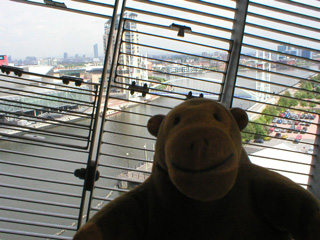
(136, 88)
(181, 29)
(189, 96)
(89, 175)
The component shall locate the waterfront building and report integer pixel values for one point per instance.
(263, 76)
(132, 63)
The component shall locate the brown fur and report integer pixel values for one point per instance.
(203, 186)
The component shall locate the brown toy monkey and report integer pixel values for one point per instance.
(203, 186)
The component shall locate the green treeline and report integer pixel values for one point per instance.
(160, 80)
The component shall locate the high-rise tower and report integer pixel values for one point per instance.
(95, 51)
(129, 57)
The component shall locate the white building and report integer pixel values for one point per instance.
(132, 62)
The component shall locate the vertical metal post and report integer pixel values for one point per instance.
(97, 128)
(113, 69)
(237, 37)
(314, 183)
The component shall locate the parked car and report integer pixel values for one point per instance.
(284, 121)
(289, 122)
(304, 130)
(291, 129)
(283, 130)
(308, 123)
(259, 140)
(310, 150)
(285, 136)
(297, 139)
(278, 135)
(296, 123)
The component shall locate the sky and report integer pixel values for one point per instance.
(27, 30)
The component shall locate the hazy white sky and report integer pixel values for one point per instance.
(27, 30)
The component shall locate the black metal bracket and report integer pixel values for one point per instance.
(181, 29)
(55, 4)
(189, 96)
(89, 175)
(8, 69)
(67, 79)
(136, 88)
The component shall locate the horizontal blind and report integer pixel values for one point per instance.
(277, 83)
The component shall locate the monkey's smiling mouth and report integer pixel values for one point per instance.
(202, 170)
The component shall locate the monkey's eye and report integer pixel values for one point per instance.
(176, 120)
(217, 117)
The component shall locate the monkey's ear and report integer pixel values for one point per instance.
(240, 116)
(154, 124)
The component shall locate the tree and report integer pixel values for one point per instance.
(270, 110)
(284, 102)
(298, 94)
(260, 129)
(294, 102)
(306, 85)
(312, 105)
(287, 94)
(311, 95)
(303, 104)
(249, 132)
(304, 95)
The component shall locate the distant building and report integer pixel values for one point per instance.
(3, 60)
(282, 48)
(74, 72)
(31, 61)
(292, 52)
(65, 56)
(306, 54)
(95, 51)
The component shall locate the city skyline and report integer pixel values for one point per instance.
(28, 30)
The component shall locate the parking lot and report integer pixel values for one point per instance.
(308, 136)
(302, 146)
